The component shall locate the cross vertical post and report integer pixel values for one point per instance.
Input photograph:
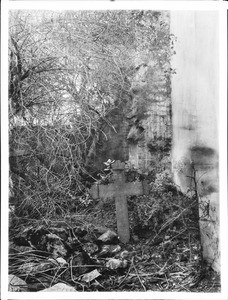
(121, 202)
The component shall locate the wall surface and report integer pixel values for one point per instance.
(150, 113)
(150, 129)
(139, 127)
(195, 96)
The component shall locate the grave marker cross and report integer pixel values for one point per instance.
(120, 189)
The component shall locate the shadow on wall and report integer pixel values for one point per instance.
(205, 160)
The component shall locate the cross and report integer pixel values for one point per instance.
(120, 189)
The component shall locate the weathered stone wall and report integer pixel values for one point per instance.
(150, 113)
(143, 117)
(195, 96)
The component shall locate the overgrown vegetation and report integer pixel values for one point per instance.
(164, 253)
(68, 72)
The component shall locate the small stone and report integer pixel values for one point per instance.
(108, 250)
(53, 236)
(100, 229)
(108, 236)
(88, 277)
(61, 261)
(60, 287)
(115, 264)
(16, 284)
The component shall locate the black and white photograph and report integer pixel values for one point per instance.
(114, 155)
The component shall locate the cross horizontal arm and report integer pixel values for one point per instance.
(103, 191)
(113, 190)
(133, 189)
(107, 191)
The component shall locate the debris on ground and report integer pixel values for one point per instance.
(172, 262)
(108, 237)
(60, 287)
(91, 276)
(16, 284)
(83, 252)
(114, 264)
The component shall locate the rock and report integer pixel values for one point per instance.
(16, 284)
(115, 264)
(109, 250)
(61, 232)
(108, 237)
(60, 287)
(90, 248)
(88, 277)
(53, 236)
(61, 261)
(100, 229)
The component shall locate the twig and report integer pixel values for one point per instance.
(183, 287)
(146, 275)
(53, 279)
(137, 274)
(169, 222)
(71, 275)
(189, 246)
(178, 234)
(56, 277)
(127, 272)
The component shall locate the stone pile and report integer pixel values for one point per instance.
(78, 254)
